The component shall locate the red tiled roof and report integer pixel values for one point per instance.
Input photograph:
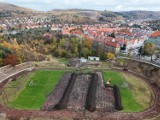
(91, 32)
(65, 32)
(155, 34)
(108, 29)
(125, 31)
(87, 37)
(113, 44)
(77, 32)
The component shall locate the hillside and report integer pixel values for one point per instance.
(84, 16)
(11, 7)
(104, 16)
(9, 10)
(137, 15)
(75, 15)
(79, 16)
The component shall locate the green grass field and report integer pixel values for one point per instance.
(35, 92)
(32, 89)
(135, 94)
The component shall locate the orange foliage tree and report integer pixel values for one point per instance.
(11, 60)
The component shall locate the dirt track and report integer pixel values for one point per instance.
(65, 114)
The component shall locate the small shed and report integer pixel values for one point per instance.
(93, 58)
(83, 60)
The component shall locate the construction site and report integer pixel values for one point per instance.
(81, 91)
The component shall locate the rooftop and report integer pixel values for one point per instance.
(155, 34)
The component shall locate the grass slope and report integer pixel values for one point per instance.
(135, 94)
(37, 89)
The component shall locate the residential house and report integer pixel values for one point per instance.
(154, 38)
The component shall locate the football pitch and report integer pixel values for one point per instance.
(37, 89)
(37, 86)
(135, 94)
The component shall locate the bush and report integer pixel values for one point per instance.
(11, 60)
(110, 56)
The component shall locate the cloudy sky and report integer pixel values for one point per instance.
(113, 5)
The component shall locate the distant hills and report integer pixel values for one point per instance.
(106, 16)
(10, 10)
(135, 15)
(80, 15)
(11, 7)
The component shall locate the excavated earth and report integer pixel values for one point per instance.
(81, 95)
(79, 92)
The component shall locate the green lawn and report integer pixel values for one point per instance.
(135, 94)
(35, 92)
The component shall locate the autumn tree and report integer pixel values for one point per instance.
(11, 60)
(110, 56)
(17, 49)
(86, 47)
(7, 45)
(79, 49)
(149, 49)
(101, 51)
(85, 52)
(88, 42)
(4, 51)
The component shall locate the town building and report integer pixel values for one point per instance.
(154, 38)
(93, 58)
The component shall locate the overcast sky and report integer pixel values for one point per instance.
(113, 5)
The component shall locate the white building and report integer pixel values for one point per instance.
(93, 58)
(83, 60)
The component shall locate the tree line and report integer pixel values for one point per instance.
(58, 45)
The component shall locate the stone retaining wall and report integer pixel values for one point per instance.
(148, 70)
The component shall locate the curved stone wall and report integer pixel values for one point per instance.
(146, 69)
(9, 71)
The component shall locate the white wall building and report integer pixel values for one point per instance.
(93, 58)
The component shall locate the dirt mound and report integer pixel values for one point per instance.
(104, 96)
(80, 91)
(57, 94)
(63, 103)
(77, 99)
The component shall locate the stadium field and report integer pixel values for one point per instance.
(135, 93)
(37, 89)
(36, 86)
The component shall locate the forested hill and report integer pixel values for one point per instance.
(10, 10)
(135, 15)
(104, 16)
(79, 15)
